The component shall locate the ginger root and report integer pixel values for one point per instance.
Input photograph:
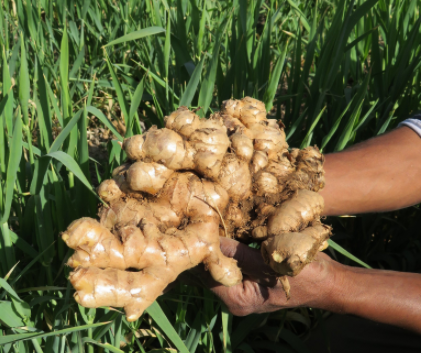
(185, 185)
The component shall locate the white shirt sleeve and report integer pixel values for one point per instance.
(414, 123)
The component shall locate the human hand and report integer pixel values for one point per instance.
(261, 291)
(385, 296)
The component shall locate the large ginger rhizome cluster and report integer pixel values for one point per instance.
(183, 187)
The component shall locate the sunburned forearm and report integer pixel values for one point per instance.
(384, 296)
(381, 174)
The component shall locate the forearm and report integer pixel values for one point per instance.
(384, 296)
(380, 174)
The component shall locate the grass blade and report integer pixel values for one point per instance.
(344, 252)
(26, 336)
(157, 314)
(106, 346)
(207, 87)
(192, 86)
(307, 140)
(65, 132)
(359, 39)
(335, 126)
(302, 17)
(12, 167)
(74, 168)
(120, 96)
(274, 79)
(99, 114)
(24, 85)
(136, 35)
(7, 90)
(225, 318)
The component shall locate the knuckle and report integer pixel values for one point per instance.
(238, 304)
(238, 310)
(228, 248)
(228, 251)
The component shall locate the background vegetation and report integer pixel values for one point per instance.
(79, 75)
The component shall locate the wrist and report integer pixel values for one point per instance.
(341, 290)
(319, 285)
(333, 286)
(345, 290)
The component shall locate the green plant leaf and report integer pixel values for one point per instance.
(106, 346)
(12, 167)
(302, 17)
(73, 167)
(26, 336)
(6, 286)
(99, 114)
(157, 314)
(307, 140)
(9, 316)
(24, 85)
(225, 318)
(192, 86)
(275, 79)
(136, 35)
(335, 126)
(120, 95)
(344, 252)
(137, 98)
(207, 86)
(58, 142)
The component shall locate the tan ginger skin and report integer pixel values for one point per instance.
(184, 186)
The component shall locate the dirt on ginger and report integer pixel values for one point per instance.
(185, 185)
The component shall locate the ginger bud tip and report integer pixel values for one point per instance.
(131, 318)
(74, 263)
(277, 257)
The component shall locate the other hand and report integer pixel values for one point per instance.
(261, 291)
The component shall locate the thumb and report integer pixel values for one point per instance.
(249, 260)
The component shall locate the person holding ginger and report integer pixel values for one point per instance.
(234, 175)
(373, 176)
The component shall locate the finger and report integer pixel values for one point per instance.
(245, 298)
(249, 260)
(248, 293)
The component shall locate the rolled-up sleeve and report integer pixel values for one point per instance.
(414, 123)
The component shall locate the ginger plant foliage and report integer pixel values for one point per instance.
(183, 187)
